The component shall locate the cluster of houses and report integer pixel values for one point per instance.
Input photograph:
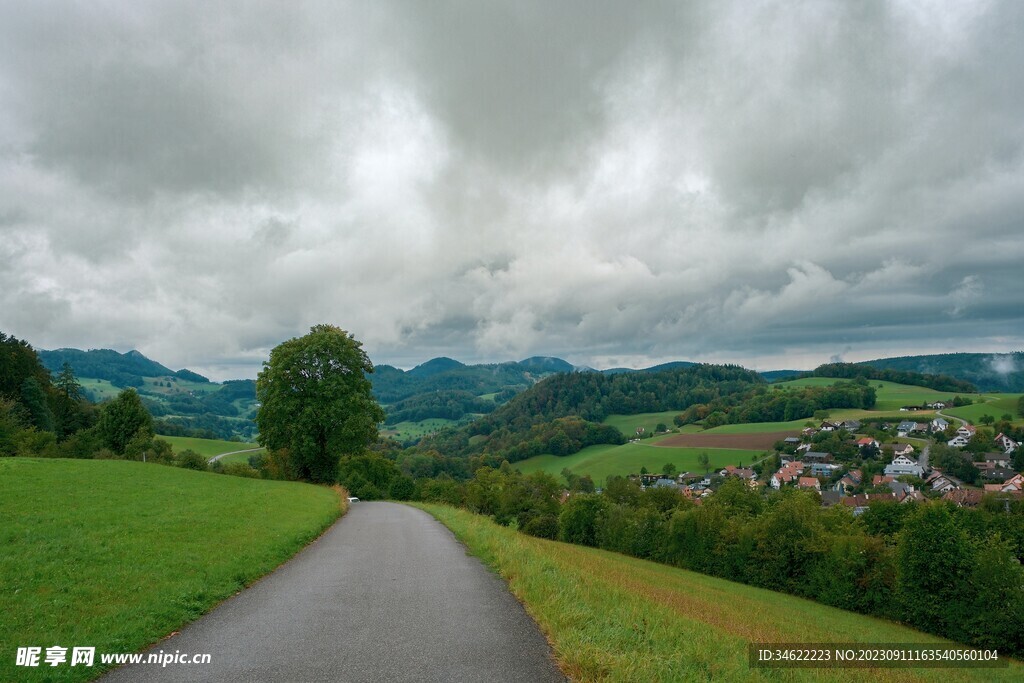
(808, 469)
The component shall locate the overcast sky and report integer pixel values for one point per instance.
(770, 183)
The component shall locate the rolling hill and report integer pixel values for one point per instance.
(987, 371)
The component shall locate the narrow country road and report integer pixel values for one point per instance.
(387, 594)
(247, 450)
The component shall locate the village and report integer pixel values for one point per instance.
(853, 464)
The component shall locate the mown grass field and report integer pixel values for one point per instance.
(614, 618)
(99, 389)
(116, 555)
(762, 427)
(239, 457)
(995, 405)
(890, 396)
(606, 460)
(206, 447)
(628, 424)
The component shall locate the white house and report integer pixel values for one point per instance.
(905, 450)
(966, 431)
(958, 441)
(939, 425)
(1006, 443)
(904, 464)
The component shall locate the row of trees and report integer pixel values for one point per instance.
(949, 571)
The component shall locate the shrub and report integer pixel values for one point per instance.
(240, 469)
(544, 526)
(191, 460)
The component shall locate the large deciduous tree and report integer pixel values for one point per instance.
(315, 401)
(123, 420)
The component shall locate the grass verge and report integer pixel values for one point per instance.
(614, 618)
(115, 555)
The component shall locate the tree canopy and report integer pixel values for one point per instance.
(123, 420)
(316, 402)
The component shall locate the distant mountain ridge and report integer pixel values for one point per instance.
(120, 369)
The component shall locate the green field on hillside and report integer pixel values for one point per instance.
(99, 389)
(889, 395)
(627, 424)
(171, 386)
(206, 447)
(761, 427)
(116, 554)
(405, 431)
(995, 405)
(614, 618)
(606, 460)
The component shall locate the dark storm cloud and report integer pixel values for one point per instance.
(770, 183)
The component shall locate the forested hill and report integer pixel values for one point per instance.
(183, 403)
(561, 414)
(870, 372)
(391, 385)
(120, 369)
(987, 371)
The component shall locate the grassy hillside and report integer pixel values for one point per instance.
(206, 447)
(627, 424)
(995, 405)
(407, 431)
(117, 554)
(605, 460)
(615, 618)
(890, 396)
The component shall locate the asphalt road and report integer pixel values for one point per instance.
(247, 450)
(387, 594)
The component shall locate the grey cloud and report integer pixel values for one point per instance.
(614, 184)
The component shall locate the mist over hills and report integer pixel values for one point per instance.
(987, 371)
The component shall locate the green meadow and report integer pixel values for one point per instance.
(761, 427)
(116, 554)
(995, 405)
(207, 447)
(404, 431)
(890, 396)
(628, 424)
(100, 389)
(606, 460)
(610, 617)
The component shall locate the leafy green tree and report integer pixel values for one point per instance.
(669, 469)
(704, 462)
(999, 580)
(191, 460)
(933, 564)
(34, 399)
(579, 519)
(124, 419)
(402, 488)
(316, 402)
(67, 384)
(986, 419)
(18, 361)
